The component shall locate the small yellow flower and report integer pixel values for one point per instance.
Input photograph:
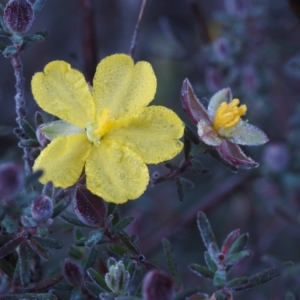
(221, 126)
(108, 130)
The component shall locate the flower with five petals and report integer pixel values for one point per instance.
(221, 125)
(107, 130)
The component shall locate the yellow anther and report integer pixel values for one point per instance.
(228, 115)
(95, 130)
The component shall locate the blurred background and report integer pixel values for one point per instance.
(251, 46)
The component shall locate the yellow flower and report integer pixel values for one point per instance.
(108, 131)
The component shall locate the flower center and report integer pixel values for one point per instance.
(95, 130)
(228, 115)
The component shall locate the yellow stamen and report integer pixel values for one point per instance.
(95, 130)
(228, 115)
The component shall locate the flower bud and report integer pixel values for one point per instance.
(117, 278)
(157, 285)
(11, 180)
(72, 273)
(42, 209)
(18, 15)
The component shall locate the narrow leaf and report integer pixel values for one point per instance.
(209, 262)
(47, 283)
(179, 187)
(61, 206)
(28, 129)
(10, 246)
(201, 271)
(172, 264)
(230, 239)
(126, 240)
(97, 279)
(71, 220)
(239, 244)
(237, 257)
(205, 229)
(48, 242)
(118, 249)
(38, 249)
(260, 278)
(24, 258)
(124, 223)
(94, 238)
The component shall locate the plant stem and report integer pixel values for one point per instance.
(20, 106)
(136, 30)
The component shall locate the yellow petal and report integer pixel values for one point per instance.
(153, 134)
(121, 86)
(63, 92)
(115, 173)
(63, 159)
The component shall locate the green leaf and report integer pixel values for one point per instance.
(126, 240)
(220, 279)
(24, 259)
(239, 244)
(179, 187)
(48, 242)
(2, 47)
(38, 249)
(4, 33)
(61, 206)
(111, 207)
(10, 246)
(261, 278)
(28, 129)
(76, 252)
(47, 283)
(118, 249)
(234, 283)
(197, 165)
(38, 5)
(172, 264)
(10, 51)
(38, 119)
(237, 257)
(30, 143)
(97, 279)
(206, 232)
(209, 262)
(94, 238)
(202, 271)
(124, 223)
(230, 239)
(71, 220)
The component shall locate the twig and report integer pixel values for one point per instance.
(136, 30)
(21, 106)
(173, 173)
(88, 39)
